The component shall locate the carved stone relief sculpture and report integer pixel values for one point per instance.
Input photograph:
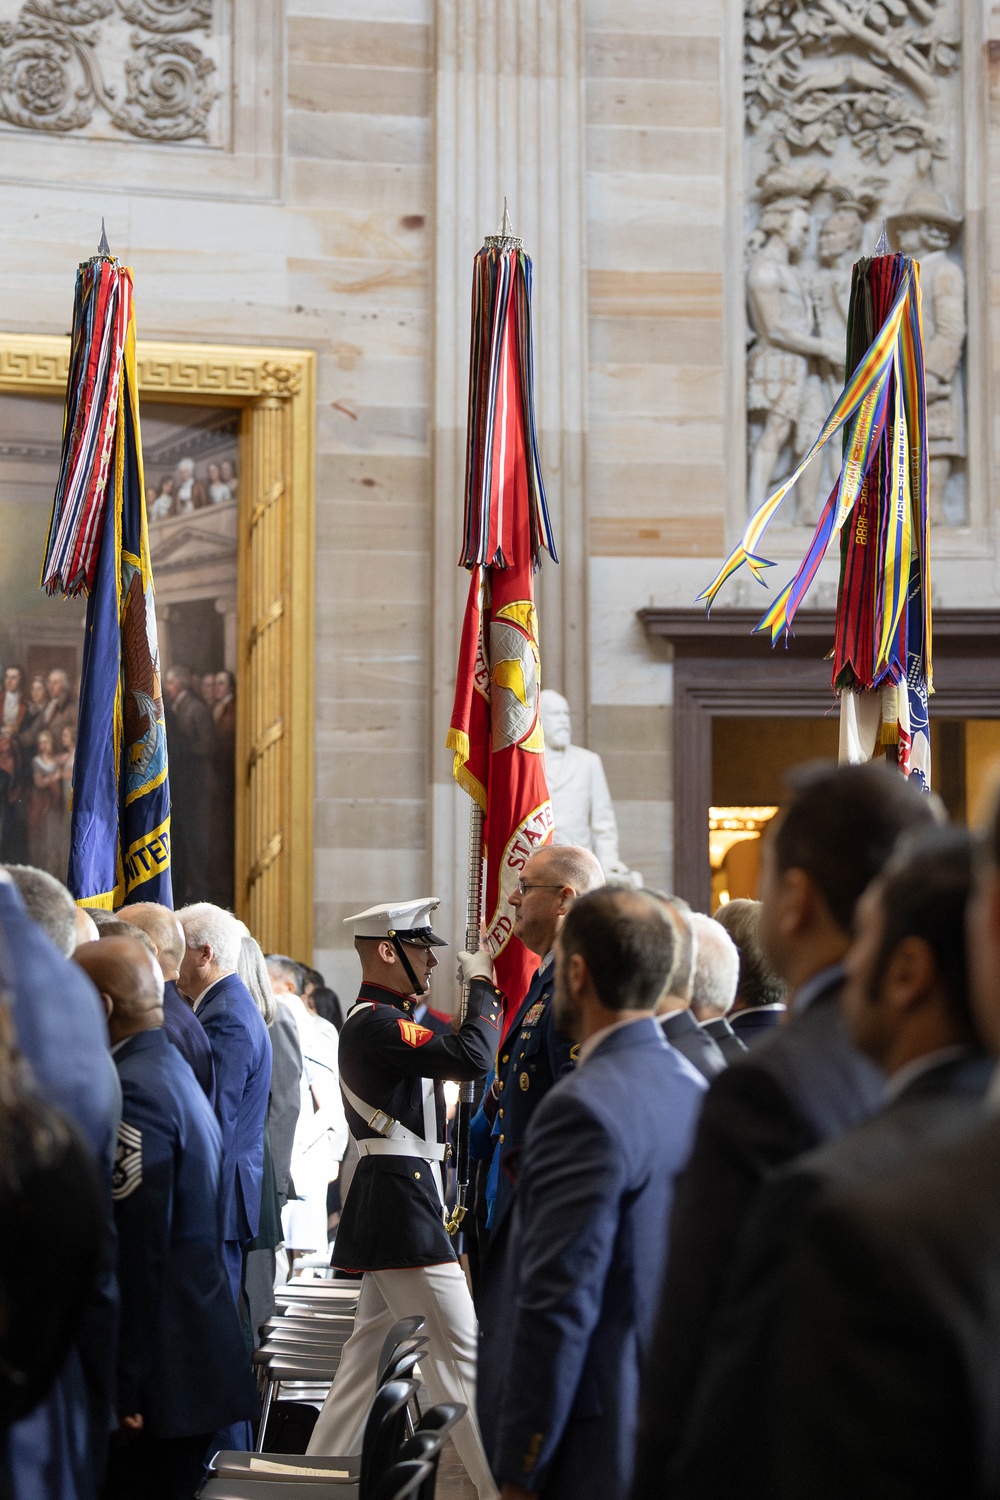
(853, 115)
(110, 68)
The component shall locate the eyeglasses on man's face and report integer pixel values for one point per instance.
(537, 885)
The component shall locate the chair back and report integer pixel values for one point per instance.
(408, 1481)
(402, 1367)
(385, 1429)
(441, 1419)
(398, 1334)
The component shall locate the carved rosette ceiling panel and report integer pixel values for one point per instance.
(853, 114)
(147, 70)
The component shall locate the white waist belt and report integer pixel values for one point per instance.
(393, 1138)
(426, 1150)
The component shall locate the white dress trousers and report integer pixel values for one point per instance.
(448, 1366)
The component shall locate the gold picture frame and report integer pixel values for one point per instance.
(274, 389)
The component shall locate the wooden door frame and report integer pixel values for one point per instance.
(721, 670)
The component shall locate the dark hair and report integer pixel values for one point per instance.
(287, 968)
(327, 1003)
(627, 942)
(312, 976)
(758, 984)
(840, 825)
(924, 892)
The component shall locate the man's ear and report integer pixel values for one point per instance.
(566, 898)
(576, 973)
(796, 899)
(108, 1004)
(908, 976)
(387, 953)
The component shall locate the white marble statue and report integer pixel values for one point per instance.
(581, 802)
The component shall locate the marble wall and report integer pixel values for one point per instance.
(336, 205)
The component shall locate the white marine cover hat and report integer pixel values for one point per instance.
(409, 921)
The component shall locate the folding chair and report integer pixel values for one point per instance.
(408, 1481)
(266, 1478)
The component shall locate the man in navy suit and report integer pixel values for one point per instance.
(673, 1009)
(716, 975)
(58, 1450)
(760, 994)
(182, 1026)
(594, 1199)
(805, 1085)
(241, 1049)
(530, 1060)
(182, 1367)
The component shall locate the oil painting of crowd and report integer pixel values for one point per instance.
(191, 466)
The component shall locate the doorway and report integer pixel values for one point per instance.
(751, 757)
(722, 672)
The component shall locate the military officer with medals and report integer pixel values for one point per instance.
(392, 1224)
(530, 1061)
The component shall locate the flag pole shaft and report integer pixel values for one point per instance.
(466, 1097)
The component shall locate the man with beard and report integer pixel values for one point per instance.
(594, 1199)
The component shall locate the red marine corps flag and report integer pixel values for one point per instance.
(496, 731)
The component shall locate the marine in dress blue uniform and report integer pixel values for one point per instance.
(392, 1225)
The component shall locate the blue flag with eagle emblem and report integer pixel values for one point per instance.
(98, 544)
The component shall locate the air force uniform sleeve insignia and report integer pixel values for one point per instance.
(127, 1175)
(414, 1035)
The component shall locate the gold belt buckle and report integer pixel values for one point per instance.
(380, 1129)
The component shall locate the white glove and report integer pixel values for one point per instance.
(475, 966)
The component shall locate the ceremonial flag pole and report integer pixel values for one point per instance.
(882, 665)
(98, 545)
(496, 731)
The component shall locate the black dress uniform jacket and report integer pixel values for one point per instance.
(393, 1215)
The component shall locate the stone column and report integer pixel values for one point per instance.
(225, 605)
(509, 121)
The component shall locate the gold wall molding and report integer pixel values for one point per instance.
(275, 391)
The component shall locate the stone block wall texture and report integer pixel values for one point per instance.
(337, 255)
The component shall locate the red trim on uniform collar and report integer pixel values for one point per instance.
(398, 1001)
